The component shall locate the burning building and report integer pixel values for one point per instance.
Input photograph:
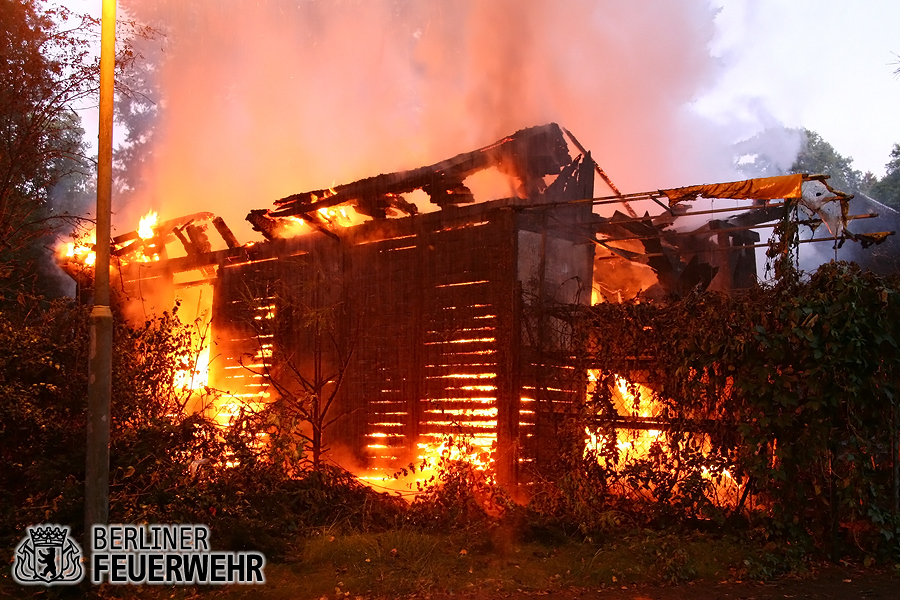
(416, 325)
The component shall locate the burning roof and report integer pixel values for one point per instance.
(527, 155)
(547, 178)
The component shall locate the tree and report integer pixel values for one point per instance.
(887, 190)
(818, 156)
(769, 153)
(44, 69)
(309, 381)
(779, 151)
(48, 68)
(305, 345)
(138, 110)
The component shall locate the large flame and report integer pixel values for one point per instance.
(193, 378)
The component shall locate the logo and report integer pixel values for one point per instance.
(133, 554)
(48, 556)
(169, 554)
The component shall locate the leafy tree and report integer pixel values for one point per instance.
(887, 190)
(780, 151)
(45, 67)
(137, 109)
(48, 68)
(818, 156)
(769, 153)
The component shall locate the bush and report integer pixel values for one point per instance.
(792, 389)
(166, 463)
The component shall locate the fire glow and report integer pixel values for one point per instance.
(191, 379)
(148, 222)
(634, 445)
(82, 252)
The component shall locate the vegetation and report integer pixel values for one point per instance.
(794, 388)
(888, 188)
(781, 151)
(305, 384)
(45, 69)
(801, 379)
(48, 68)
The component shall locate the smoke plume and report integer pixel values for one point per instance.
(262, 100)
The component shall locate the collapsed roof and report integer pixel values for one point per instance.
(539, 159)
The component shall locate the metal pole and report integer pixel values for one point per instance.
(96, 484)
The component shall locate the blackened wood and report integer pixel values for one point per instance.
(528, 154)
(230, 240)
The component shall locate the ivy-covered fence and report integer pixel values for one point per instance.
(788, 393)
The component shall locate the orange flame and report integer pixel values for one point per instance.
(636, 444)
(82, 250)
(148, 222)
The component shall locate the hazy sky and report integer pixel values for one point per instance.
(827, 65)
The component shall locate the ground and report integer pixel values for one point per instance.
(411, 565)
(825, 583)
(831, 583)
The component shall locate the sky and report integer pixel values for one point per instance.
(267, 97)
(827, 65)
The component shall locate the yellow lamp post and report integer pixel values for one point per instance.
(96, 485)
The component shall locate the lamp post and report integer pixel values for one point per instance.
(96, 484)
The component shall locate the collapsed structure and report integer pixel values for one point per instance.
(410, 327)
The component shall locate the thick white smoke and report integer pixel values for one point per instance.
(261, 100)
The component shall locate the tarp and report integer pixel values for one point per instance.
(762, 188)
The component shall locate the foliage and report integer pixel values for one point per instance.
(46, 67)
(796, 386)
(44, 382)
(791, 389)
(818, 156)
(49, 68)
(462, 494)
(138, 108)
(43, 372)
(167, 464)
(780, 151)
(887, 190)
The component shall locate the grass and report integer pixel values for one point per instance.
(406, 562)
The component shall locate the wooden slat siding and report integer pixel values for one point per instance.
(460, 287)
(443, 367)
(390, 270)
(509, 379)
(416, 325)
(238, 293)
(375, 387)
(451, 354)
